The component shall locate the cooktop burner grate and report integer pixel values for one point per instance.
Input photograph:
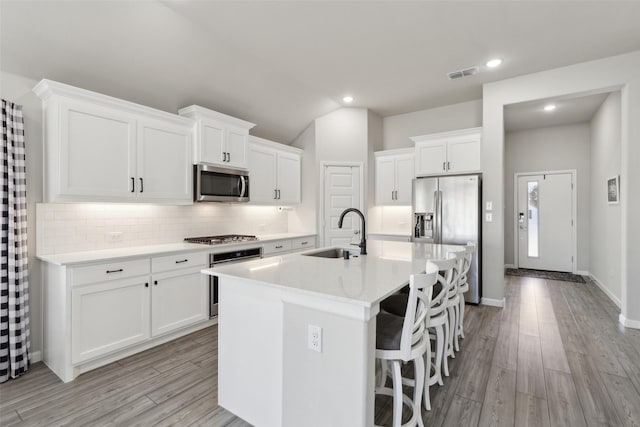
(218, 240)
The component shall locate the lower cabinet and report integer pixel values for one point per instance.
(109, 316)
(178, 299)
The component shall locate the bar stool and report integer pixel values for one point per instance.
(436, 321)
(453, 306)
(463, 288)
(404, 339)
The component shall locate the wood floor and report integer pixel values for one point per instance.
(556, 356)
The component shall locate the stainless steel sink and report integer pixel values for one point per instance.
(327, 253)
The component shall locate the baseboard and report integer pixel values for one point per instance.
(493, 302)
(582, 273)
(36, 356)
(628, 323)
(606, 291)
(510, 266)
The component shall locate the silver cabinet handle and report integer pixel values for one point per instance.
(180, 262)
(133, 184)
(279, 195)
(275, 194)
(141, 185)
(444, 166)
(279, 247)
(115, 271)
(304, 243)
(448, 166)
(228, 156)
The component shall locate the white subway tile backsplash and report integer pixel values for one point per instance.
(62, 228)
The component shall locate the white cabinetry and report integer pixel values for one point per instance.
(448, 153)
(394, 174)
(101, 312)
(102, 149)
(274, 173)
(282, 246)
(220, 139)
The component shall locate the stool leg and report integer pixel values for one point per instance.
(452, 332)
(456, 330)
(417, 391)
(445, 351)
(397, 393)
(383, 373)
(462, 304)
(439, 352)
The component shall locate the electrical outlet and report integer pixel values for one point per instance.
(114, 236)
(489, 217)
(315, 338)
(489, 206)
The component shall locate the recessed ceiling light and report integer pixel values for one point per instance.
(494, 63)
(549, 107)
(348, 99)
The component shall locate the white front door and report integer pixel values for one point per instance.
(342, 190)
(545, 222)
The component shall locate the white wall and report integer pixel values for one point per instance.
(303, 218)
(548, 149)
(17, 89)
(398, 129)
(604, 75)
(605, 230)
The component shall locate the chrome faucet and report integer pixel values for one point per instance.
(363, 241)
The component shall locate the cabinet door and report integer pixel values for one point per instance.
(288, 181)
(463, 154)
(178, 299)
(97, 152)
(164, 163)
(262, 175)
(404, 169)
(236, 147)
(211, 143)
(431, 158)
(385, 184)
(108, 316)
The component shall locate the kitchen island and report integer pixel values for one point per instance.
(268, 373)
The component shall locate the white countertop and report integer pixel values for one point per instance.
(141, 251)
(364, 280)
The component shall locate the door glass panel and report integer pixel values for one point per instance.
(533, 211)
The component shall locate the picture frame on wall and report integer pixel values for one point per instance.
(613, 190)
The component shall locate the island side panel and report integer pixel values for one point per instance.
(250, 351)
(335, 387)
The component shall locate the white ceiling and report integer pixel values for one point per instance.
(282, 64)
(531, 115)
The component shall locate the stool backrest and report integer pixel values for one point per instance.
(418, 306)
(445, 277)
(459, 257)
(470, 249)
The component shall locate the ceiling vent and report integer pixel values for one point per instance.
(454, 75)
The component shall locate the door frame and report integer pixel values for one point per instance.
(574, 213)
(323, 167)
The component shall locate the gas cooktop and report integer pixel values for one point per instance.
(218, 240)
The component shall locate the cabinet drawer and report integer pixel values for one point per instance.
(276, 247)
(110, 271)
(303, 243)
(173, 262)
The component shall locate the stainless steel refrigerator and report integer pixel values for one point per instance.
(447, 210)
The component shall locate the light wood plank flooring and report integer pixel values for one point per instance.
(555, 356)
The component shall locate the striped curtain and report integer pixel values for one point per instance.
(14, 295)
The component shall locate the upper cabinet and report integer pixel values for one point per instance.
(220, 139)
(274, 173)
(102, 149)
(448, 153)
(394, 174)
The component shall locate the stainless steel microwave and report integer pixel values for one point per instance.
(216, 184)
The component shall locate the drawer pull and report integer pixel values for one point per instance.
(146, 285)
(180, 262)
(279, 247)
(115, 271)
(155, 282)
(304, 243)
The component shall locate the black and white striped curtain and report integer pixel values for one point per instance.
(14, 288)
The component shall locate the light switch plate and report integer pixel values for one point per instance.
(489, 206)
(488, 217)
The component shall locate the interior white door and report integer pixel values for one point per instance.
(545, 222)
(342, 190)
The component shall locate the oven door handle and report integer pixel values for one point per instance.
(243, 185)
